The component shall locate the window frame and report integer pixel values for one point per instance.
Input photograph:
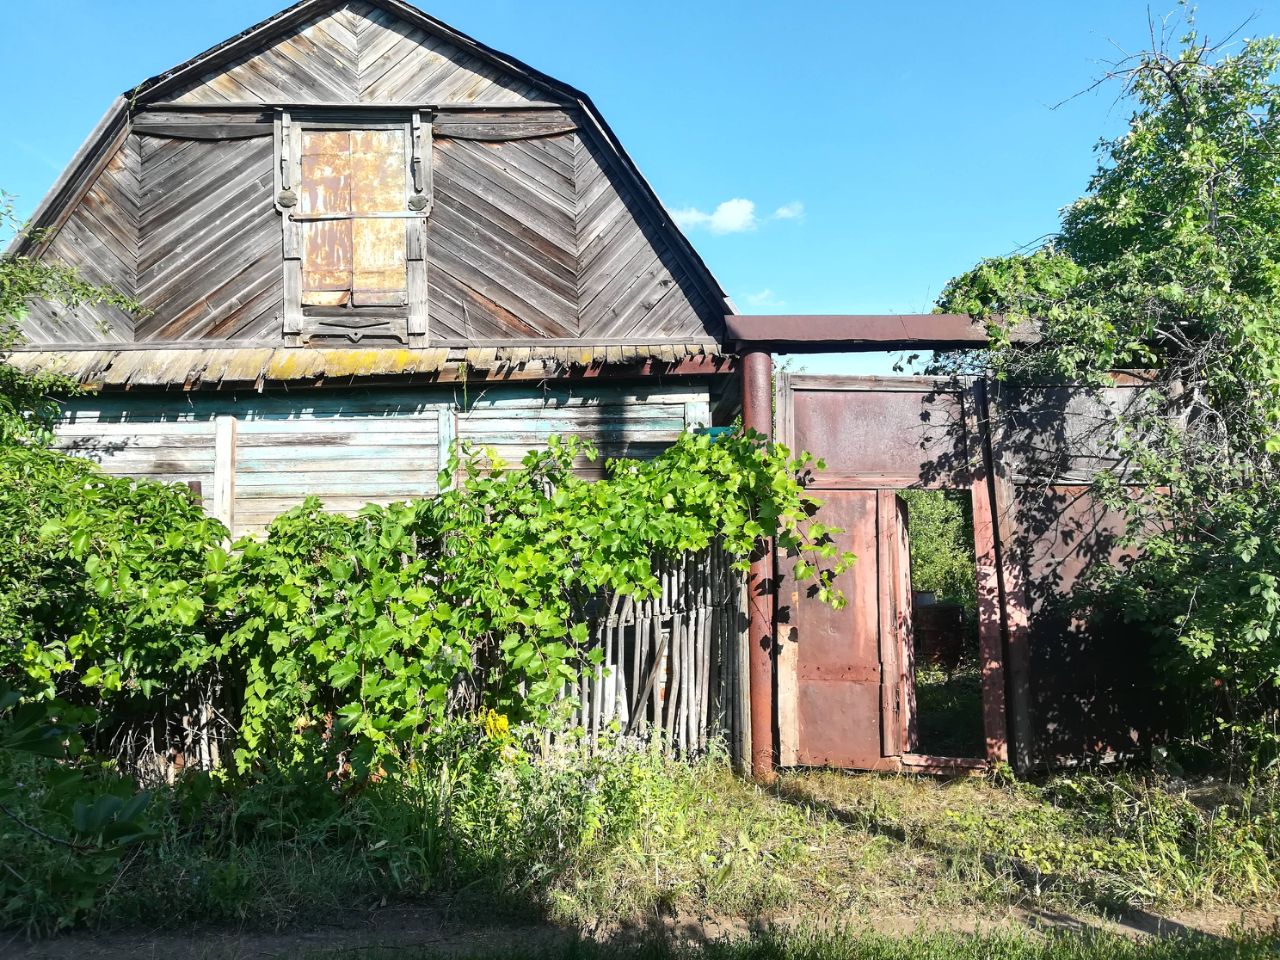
(302, 323)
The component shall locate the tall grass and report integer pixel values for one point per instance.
(848, 945)
(621, 835)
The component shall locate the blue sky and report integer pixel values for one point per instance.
(864, 152)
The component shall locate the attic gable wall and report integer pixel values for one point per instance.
(540, 228)
(210, 252)
(99, 238)
(359, 53)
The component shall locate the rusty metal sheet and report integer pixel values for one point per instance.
(1088, 676)
(854, 668)
(1069, 433)
(905, 435)
(838, 657)
(327, 244)
(378, 177)
(360, 259)
(854, 332)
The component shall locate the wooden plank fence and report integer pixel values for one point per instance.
(675, 666)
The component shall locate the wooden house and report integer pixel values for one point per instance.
(358, 235)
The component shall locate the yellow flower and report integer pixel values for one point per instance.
(496, 726)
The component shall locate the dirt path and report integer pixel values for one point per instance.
(427, 928)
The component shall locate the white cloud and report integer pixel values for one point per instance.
(789, 211)
(764, 298)
(732, 216)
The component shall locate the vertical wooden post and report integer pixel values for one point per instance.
(224, 471)
(446, 434)
(757, 415)
(1012, 584)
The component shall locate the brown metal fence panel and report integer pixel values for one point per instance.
(1059, 682)
(1088, 676)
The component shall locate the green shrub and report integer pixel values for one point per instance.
(362, 631)
(65, 824)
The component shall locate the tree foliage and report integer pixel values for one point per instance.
(940, 525)
(1171, 263)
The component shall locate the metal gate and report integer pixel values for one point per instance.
(1052, 688)
(845, 690)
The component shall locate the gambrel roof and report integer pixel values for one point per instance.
(638, 279)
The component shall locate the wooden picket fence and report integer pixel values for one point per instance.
(675, 666)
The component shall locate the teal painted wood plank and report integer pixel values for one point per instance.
(314, 481)
(174, 428)
(597, 437)
(144, 466)
(337, 458)
(425, 427)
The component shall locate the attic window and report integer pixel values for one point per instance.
(354, 197)
(353, 183)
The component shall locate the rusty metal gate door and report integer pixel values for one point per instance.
(845, 687)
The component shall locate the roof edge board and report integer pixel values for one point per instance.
(90, 151)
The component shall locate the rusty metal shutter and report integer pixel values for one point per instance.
(359, 179)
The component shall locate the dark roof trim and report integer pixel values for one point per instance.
(75, 179)
(854, 333)
(508, 343)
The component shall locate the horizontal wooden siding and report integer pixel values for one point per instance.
(257, 455)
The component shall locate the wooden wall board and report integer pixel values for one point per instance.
(258, 454)
(100, 240)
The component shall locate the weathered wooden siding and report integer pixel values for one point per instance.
(256, 455)
(100, 240)
(346, 450)
(536, 225)
(501, 240)
(531, 238)
(210, 253)
(172, 443)
(630, 283)
(359, 53)
(620, 422)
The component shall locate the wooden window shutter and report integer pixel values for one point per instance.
(352, 198)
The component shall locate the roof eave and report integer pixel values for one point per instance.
(61, 193)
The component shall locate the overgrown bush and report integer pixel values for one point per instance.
(476, 598)
(65, 822)
(361, 632)
(581, 834)
(940, 524)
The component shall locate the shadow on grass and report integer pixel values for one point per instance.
(1028, 878)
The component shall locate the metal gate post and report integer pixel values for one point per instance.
(757, 415)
